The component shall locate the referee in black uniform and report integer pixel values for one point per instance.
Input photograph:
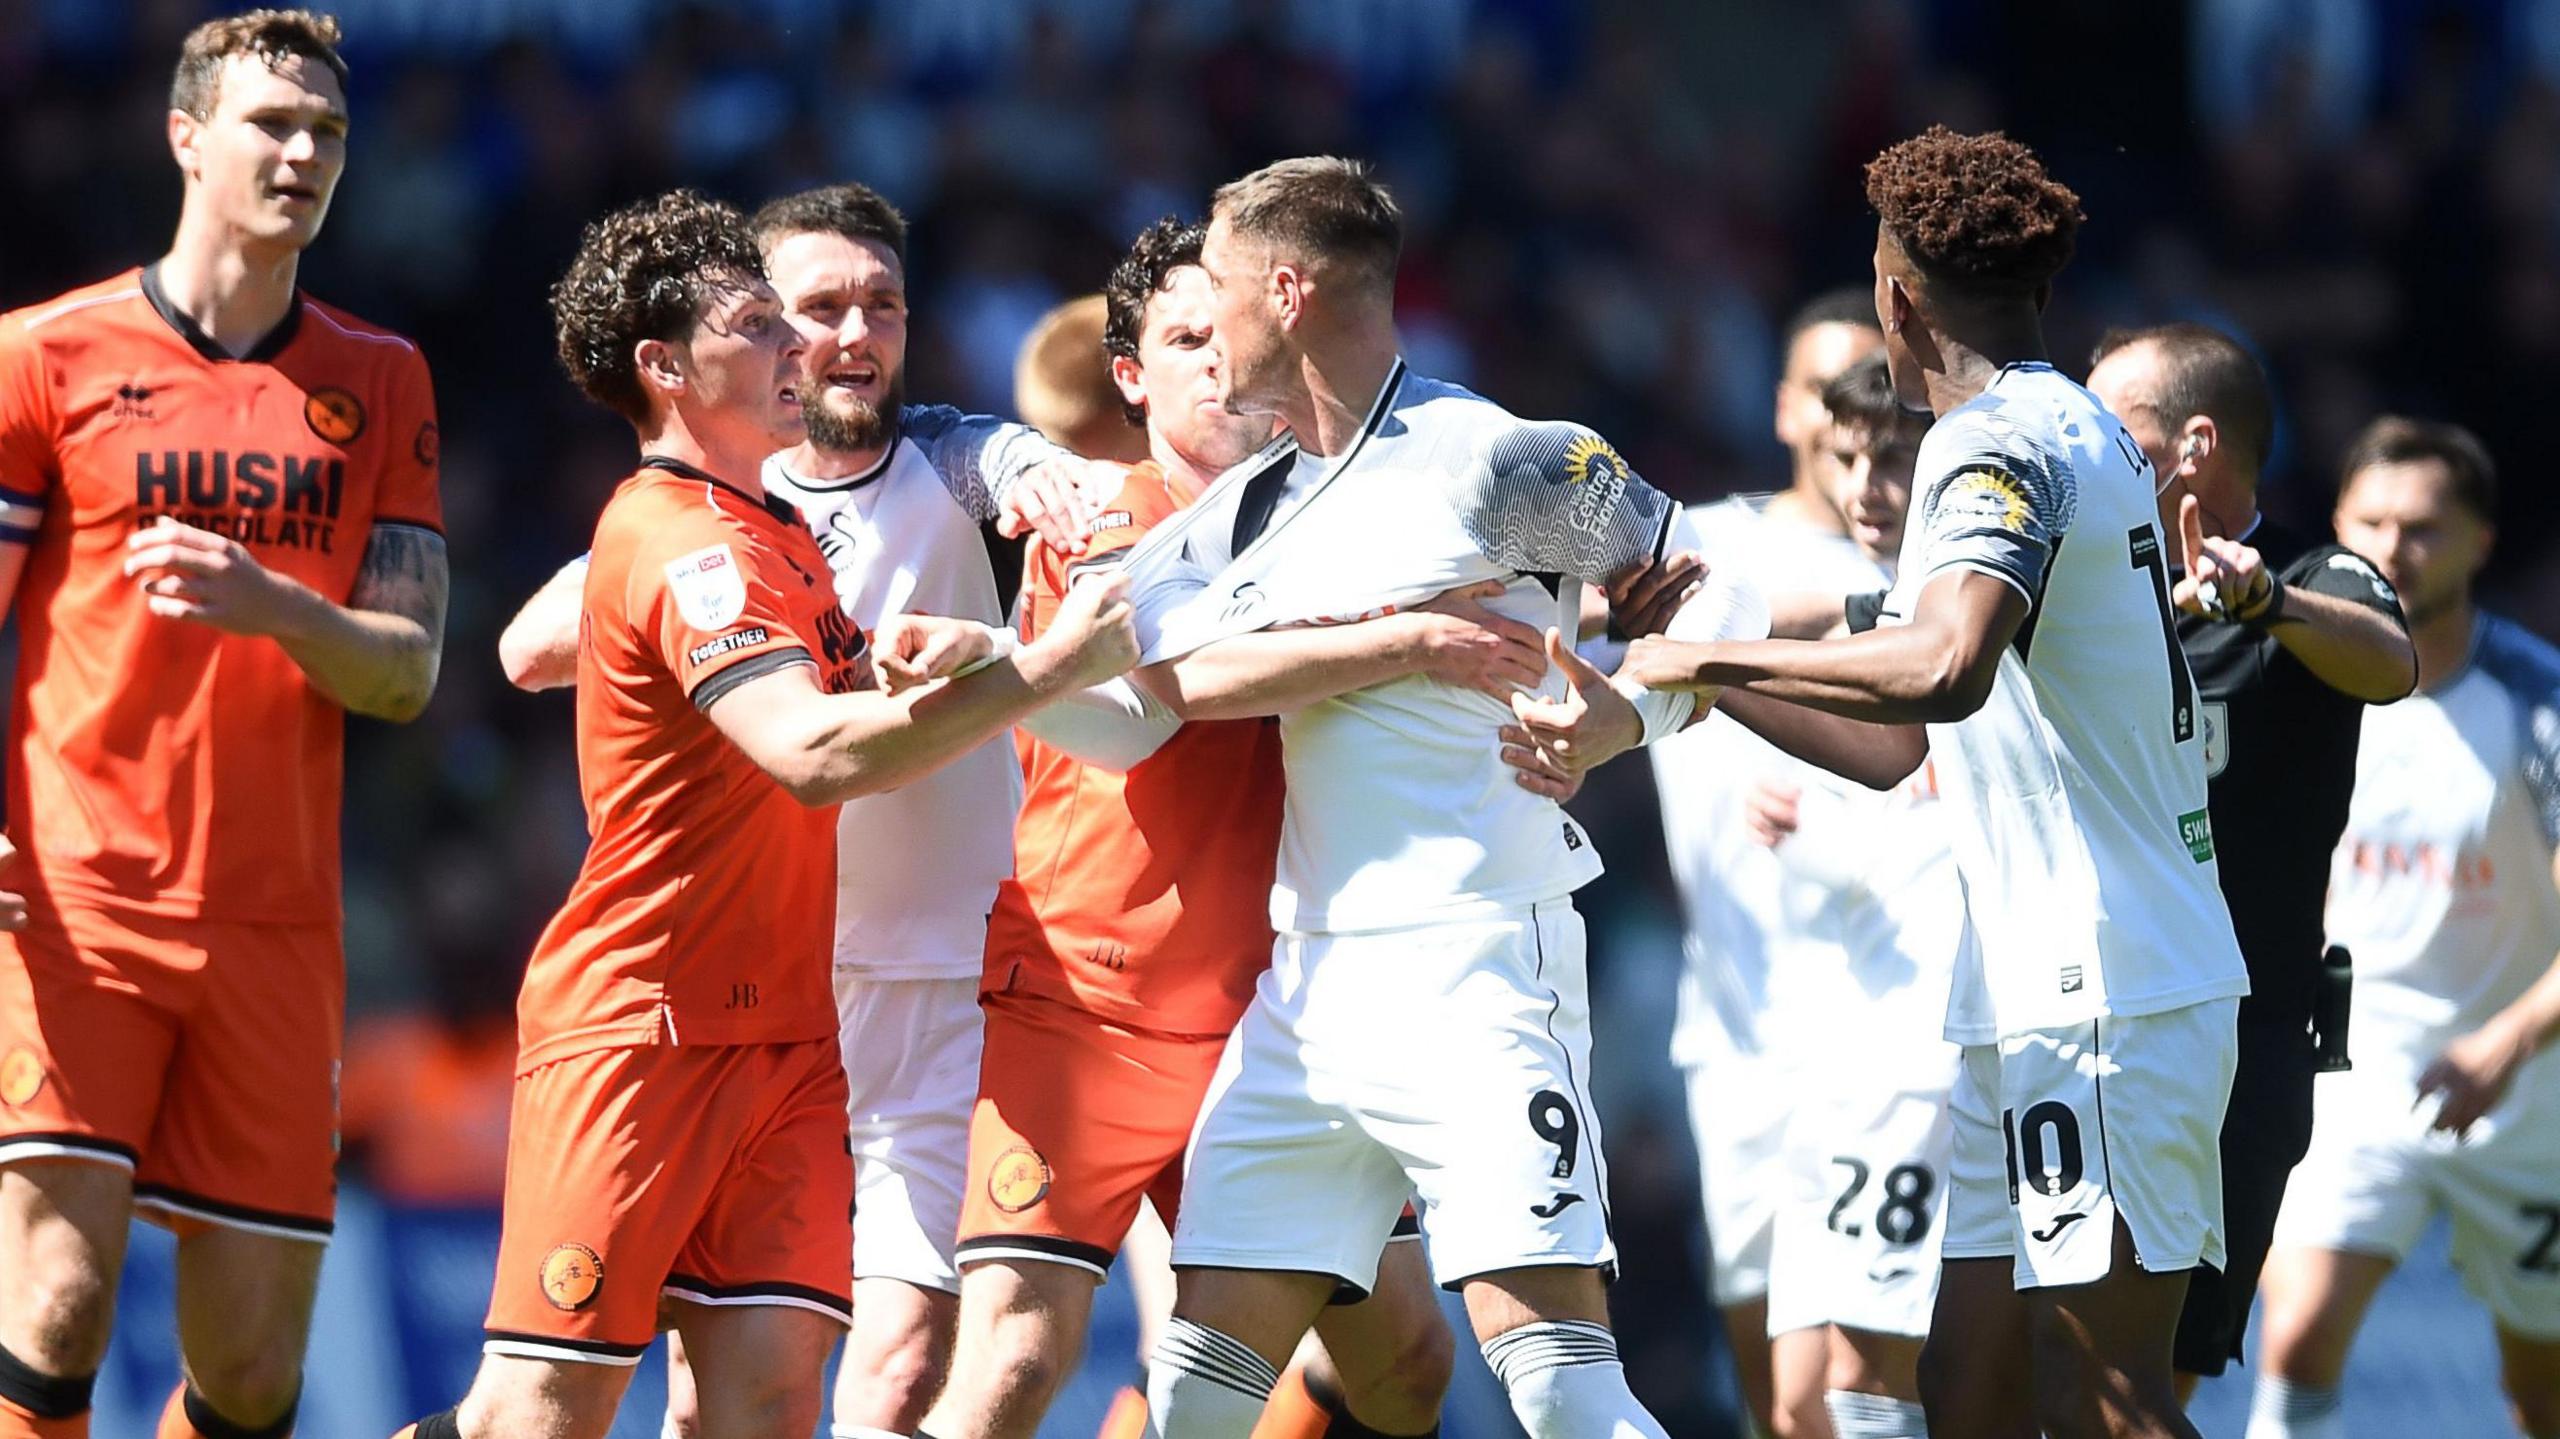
(2290, 637)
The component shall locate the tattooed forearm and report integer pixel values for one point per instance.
(378, 654)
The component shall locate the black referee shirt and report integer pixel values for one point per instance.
(2280, 764)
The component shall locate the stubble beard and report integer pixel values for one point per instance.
(867, 427)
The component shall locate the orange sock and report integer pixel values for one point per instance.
(1292, 1412)
(17, 1423)
(1127, 1419)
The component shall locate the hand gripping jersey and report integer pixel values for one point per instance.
(1399, 810)
(1732, 888)
(1141, 897)
(700, 914)
(2442, 887)
(920, 863)
(2076, 794)
(160, 764)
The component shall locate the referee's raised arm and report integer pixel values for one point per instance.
(2289, 637)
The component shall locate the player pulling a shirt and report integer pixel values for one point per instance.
(2030, 631)
(677, 1152)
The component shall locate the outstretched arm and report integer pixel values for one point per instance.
(377, 654)
(2361, 650)
(1272, 672)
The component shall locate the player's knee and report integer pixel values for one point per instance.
(69, 1310)
(1025, 1361)
(907, 1366)
(251, 1388)
(1403, 1393)
(518, 1411)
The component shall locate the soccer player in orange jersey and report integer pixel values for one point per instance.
(677, 1154)
(1132, 935)
(219, 523)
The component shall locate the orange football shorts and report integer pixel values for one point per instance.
(1077, 1118)
(201, 1055)
(710, 1174)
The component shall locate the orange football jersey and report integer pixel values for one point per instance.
(161, 764)
(704, 912)
(1144, 897)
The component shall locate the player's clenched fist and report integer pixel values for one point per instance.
(911, 650)
(1460, 642)
(1093, 637)
(192, 574)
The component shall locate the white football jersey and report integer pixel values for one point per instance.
(2442, 887)
(1733, 890)
(2077, 792)
(1400, 810)
(917, 867)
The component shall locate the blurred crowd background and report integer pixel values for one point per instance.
(1613, 205)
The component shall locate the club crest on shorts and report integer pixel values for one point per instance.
(571, 1276)
(709, 590)
(21, 1075)
(1018, 1180)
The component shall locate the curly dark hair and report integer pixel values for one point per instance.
(1976, 213)
(644, 272)
(1160, 249)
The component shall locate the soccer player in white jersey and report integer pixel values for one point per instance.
(1871, 894)
(1424, 1023)
(2445, 890)
(1727, 1035)
(895, 495)
(2028, 651)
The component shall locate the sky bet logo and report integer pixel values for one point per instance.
(252, 496)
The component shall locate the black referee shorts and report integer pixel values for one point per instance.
(2265, 1133)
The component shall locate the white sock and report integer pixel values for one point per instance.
(2281, 1409)
(1565, 1382)
(1202, 1384)
(1873, 1416)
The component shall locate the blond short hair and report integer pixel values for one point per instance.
(1061, 378)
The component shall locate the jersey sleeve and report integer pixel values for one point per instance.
(413, 464)
(978, 457)
(1141, 503)
(27, 431)
(1998, 506)
(1555, 498)
(2529, 671)
(699, 594)
(2341, 573)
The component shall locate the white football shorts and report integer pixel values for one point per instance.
(2060, 1132)
(1450, 1062)
(911, 1057)
(2375, 1175)
(1859, 1247)
(1743, 1178)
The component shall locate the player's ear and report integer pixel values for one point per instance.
(2199, 440)
(183, 130)
(1124, 378)
(1288, 294)
(658, 366)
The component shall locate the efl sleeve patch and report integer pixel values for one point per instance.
(709, 590)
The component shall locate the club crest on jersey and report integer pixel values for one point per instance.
(334, 415)
(572, 1275)
(709, 589)
(1018, 1179)
(133, 402)
(21, 1075)
(1994, 496)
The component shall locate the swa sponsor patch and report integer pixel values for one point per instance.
(709, 590)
